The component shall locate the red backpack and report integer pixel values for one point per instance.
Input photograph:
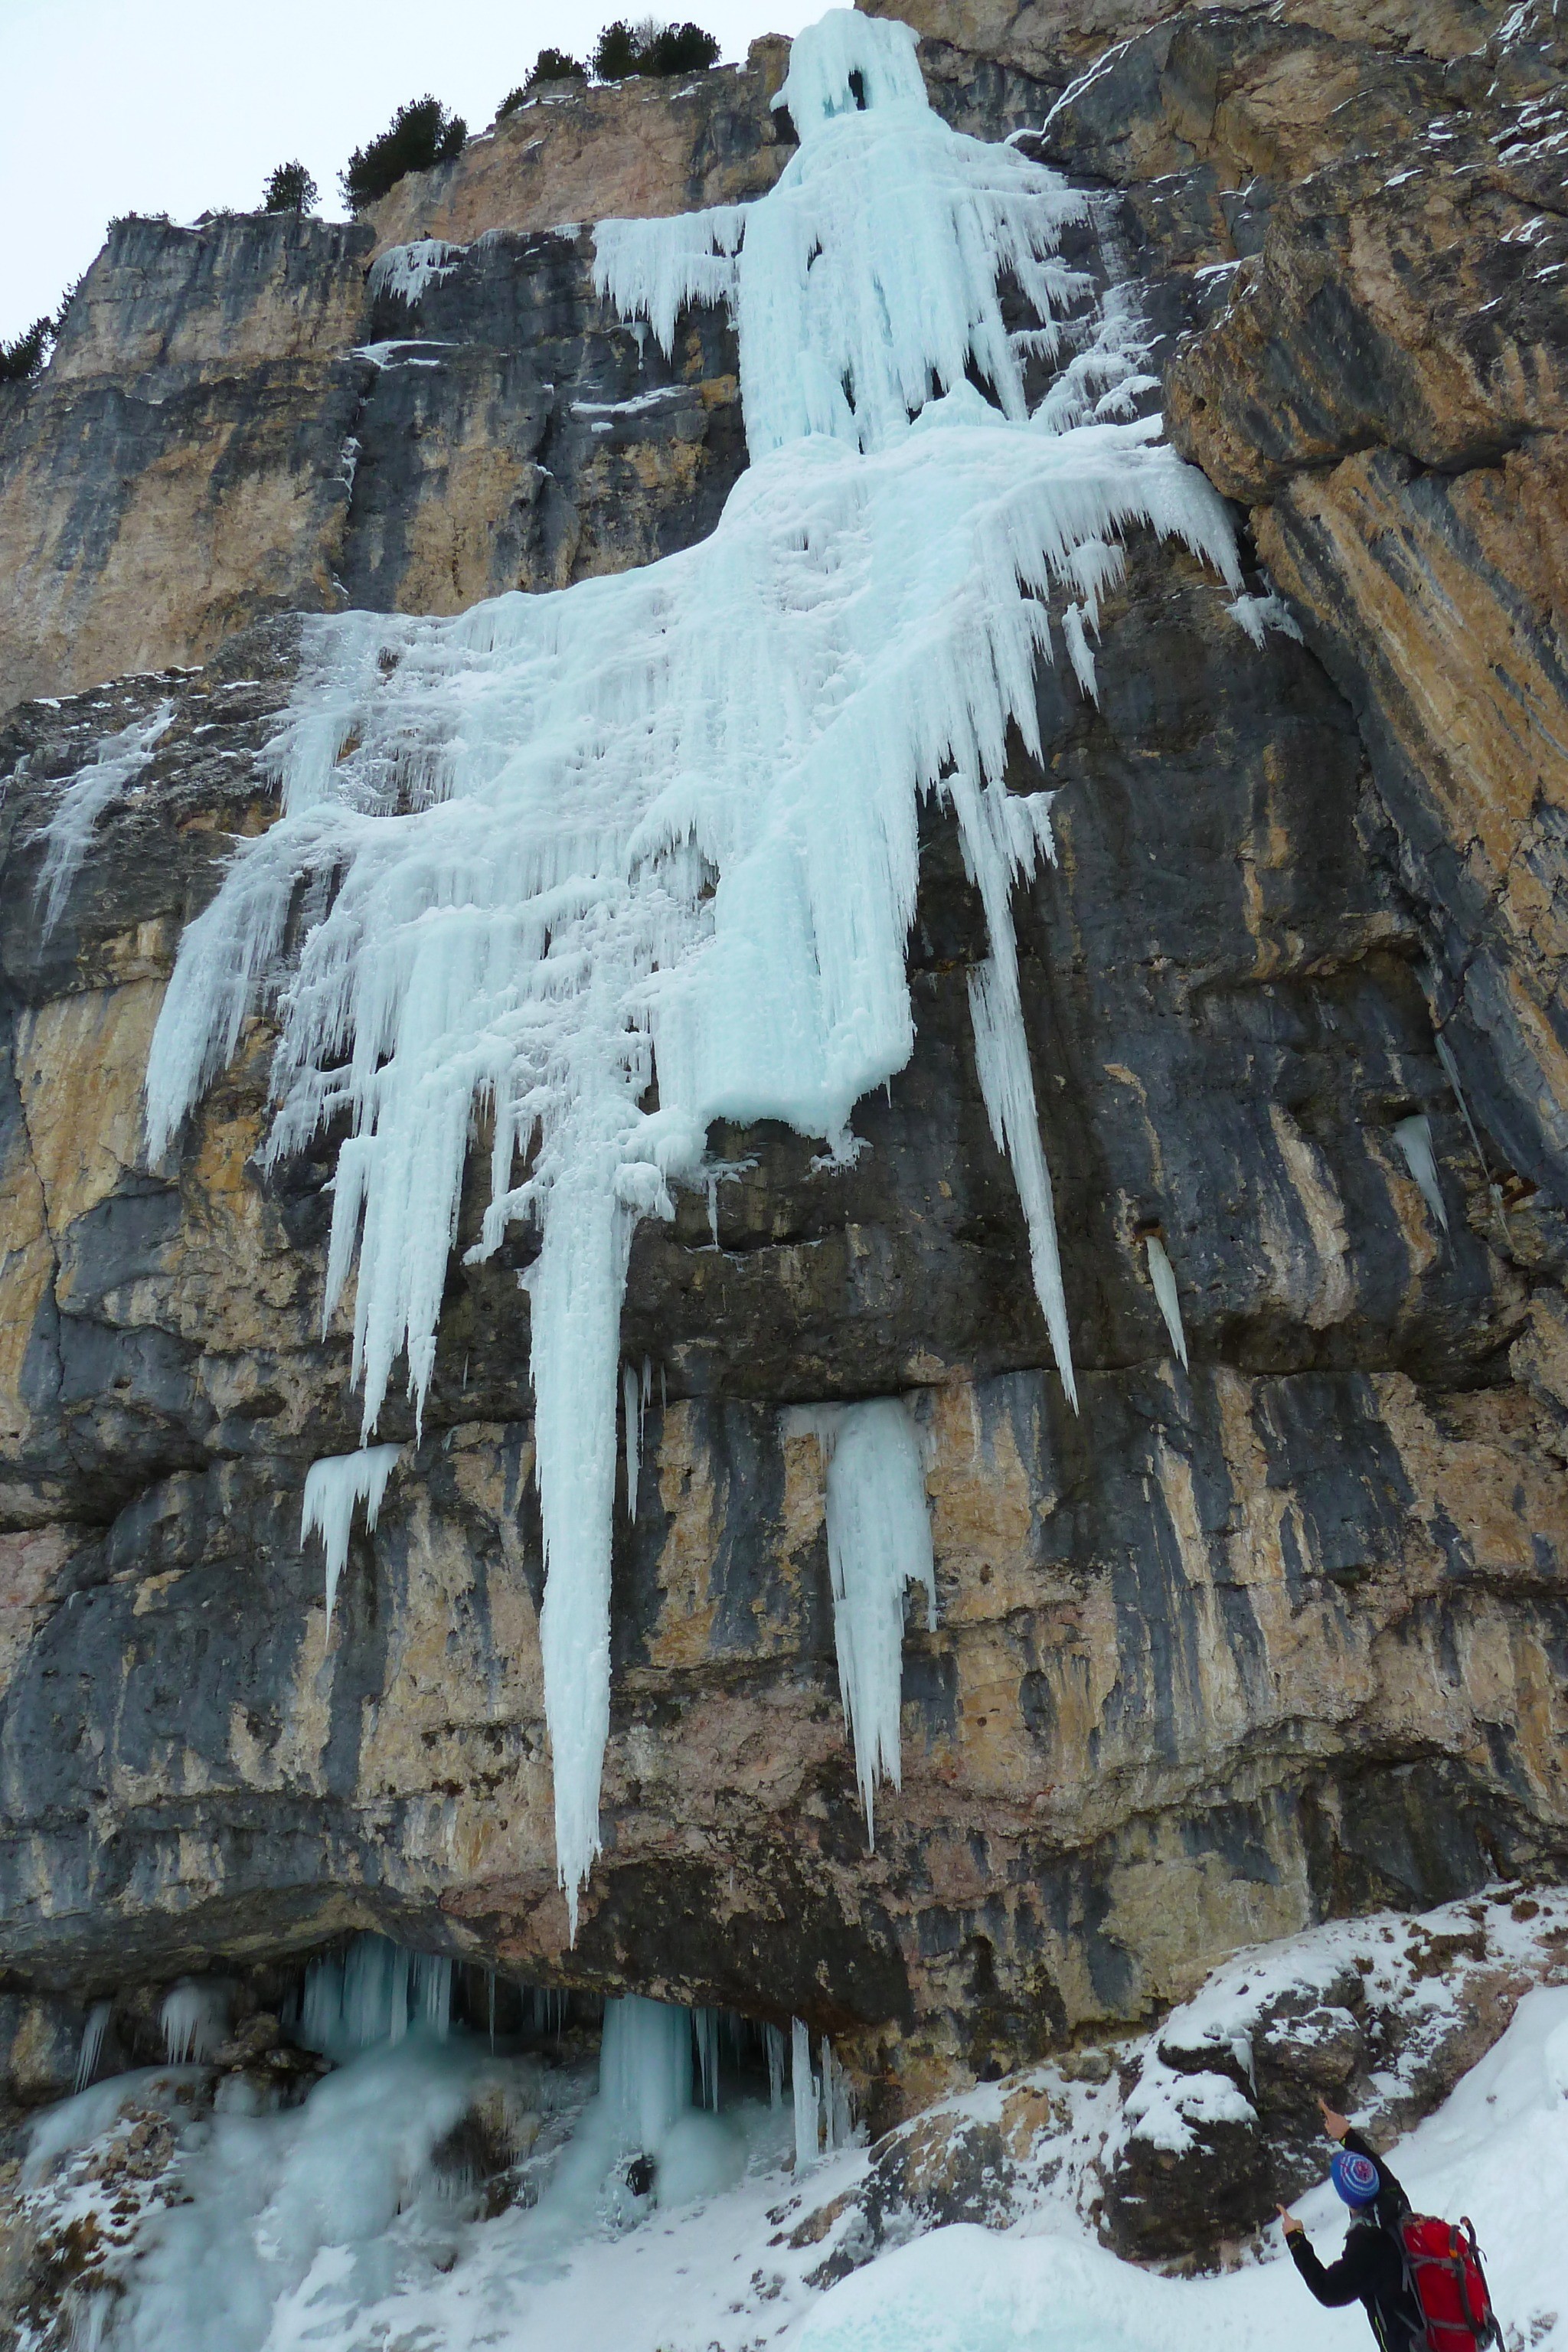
(1444, 2267)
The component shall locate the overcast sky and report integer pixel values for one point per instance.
(181, 106)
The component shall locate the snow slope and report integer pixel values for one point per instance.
(1498, 2150)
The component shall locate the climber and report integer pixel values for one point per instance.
(1372, 2270)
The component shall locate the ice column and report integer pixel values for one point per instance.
(802, 2083)
(644, 2067)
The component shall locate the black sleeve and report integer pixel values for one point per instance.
(1387, 2186)
(1345, 2281)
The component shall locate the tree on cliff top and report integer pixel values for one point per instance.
(650, 47)
(419, 134)
(290, 189)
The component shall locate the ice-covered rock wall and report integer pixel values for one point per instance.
(657, 837)
(1271, 1627)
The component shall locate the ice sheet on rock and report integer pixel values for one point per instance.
(118, 762)
(406, 271)
(1414, 1137)
(333, 1487)
(1162, 1275)
(662, 827)
(878, 1542)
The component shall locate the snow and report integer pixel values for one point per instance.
(1162, 1275)
(879, 1541)
(1414, 1137)
(333, 1487)
(118, 762)
(660, 829)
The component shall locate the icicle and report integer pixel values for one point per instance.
(1414, 1137)
(195, 2019)
(879, 1540)
(807, 2119)
(774, 2039)
(1162, 1274)
(631, 1414)
(117, 761)
(664, 824)
(491, 2003)
(333, 1487)
(91, 2048)
(705, 2030)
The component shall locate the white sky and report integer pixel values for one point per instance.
(179, 106)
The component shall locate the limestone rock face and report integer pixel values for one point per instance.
(1387, 391)
(1235, 1649)
(237, 423)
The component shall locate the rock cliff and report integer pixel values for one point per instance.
(1249, 1643)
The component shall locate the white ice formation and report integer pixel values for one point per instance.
(662, 825)
(878, 1543)
(195, 2019)
(823, 2108)
(91, 2048)
(1162, 1275)
(333, 1487)
(118, 762)
(406, 270)
(1414, 1137)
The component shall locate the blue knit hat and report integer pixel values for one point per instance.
(1355, 2177)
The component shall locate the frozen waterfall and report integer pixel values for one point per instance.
(660, 828)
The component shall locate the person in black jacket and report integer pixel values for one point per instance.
(1372, 2269)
